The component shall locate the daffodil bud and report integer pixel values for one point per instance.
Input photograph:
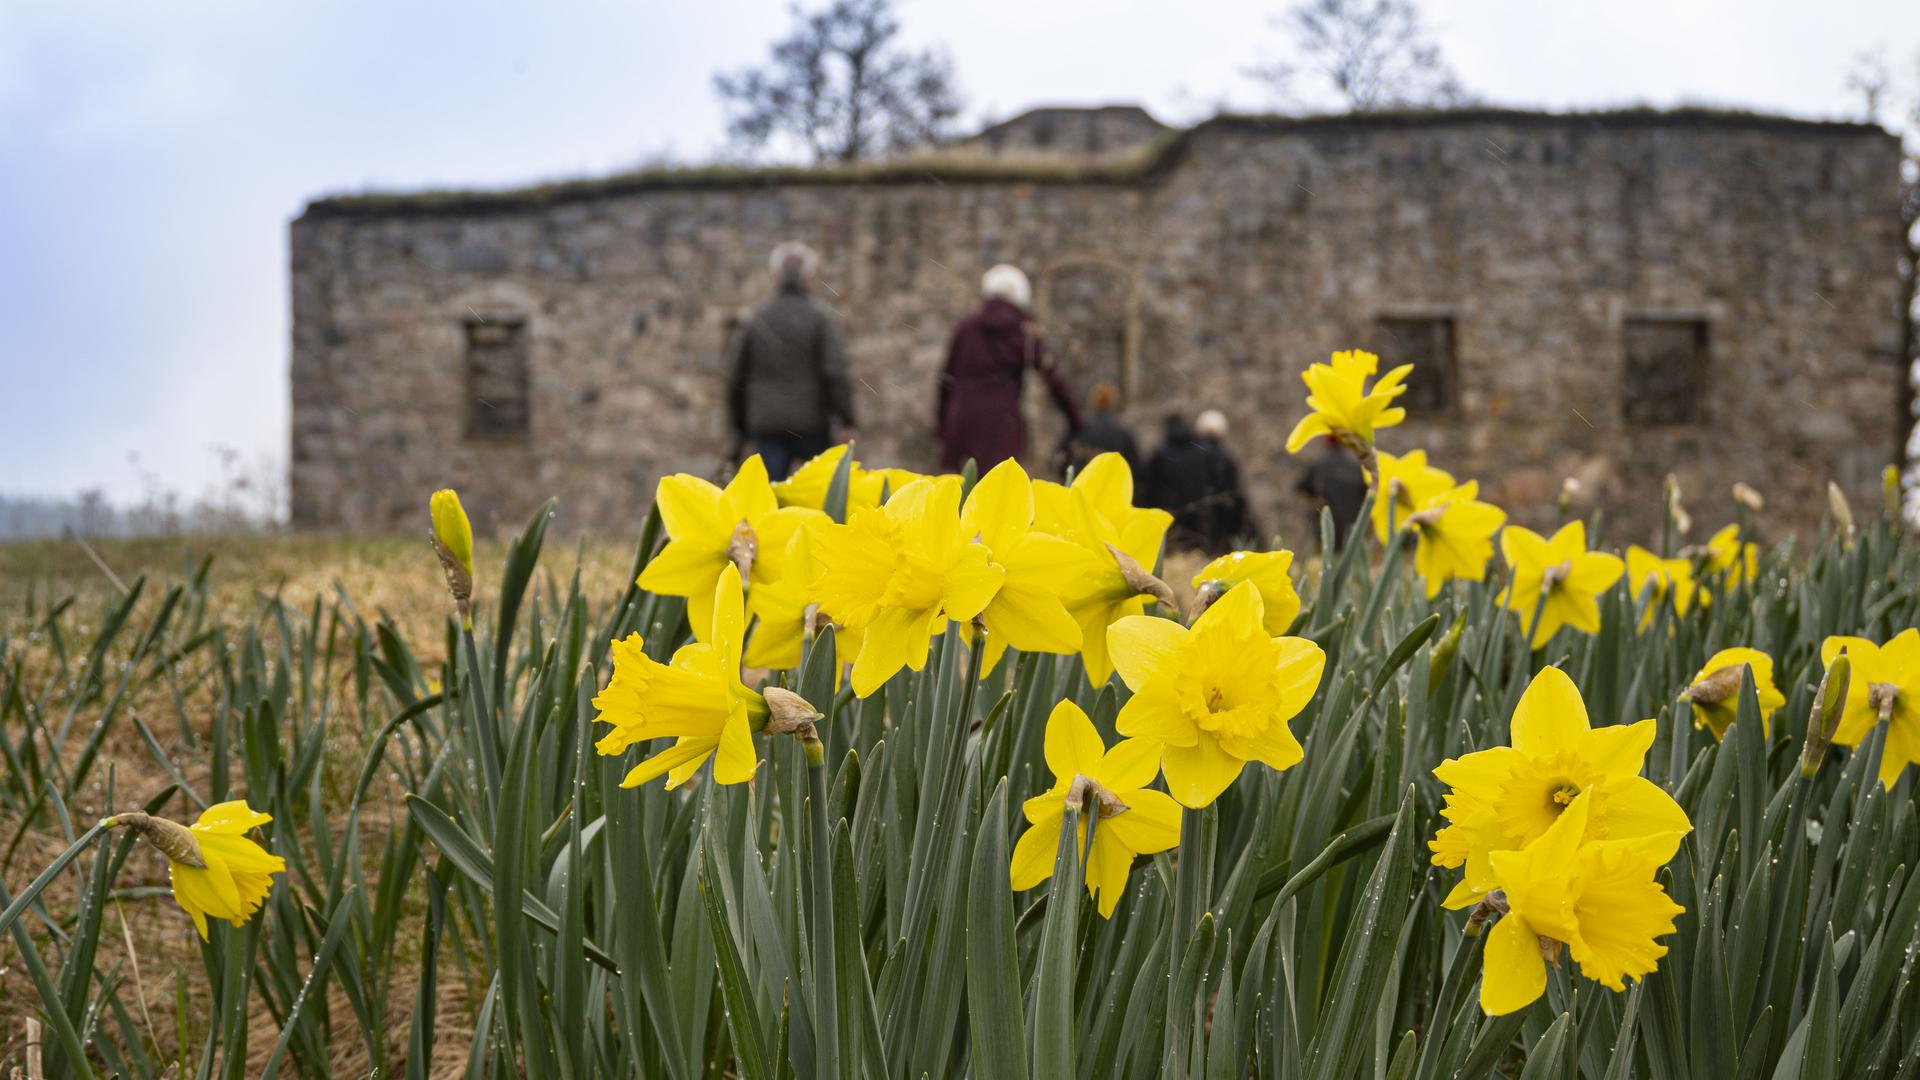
(174, 840)
(1443, 653)
(1716, 688)
(1890, 490)
(790, 714)
(1747, 497)
(1842, 513)
(1209, 592)
(452, 537)
(1142, 582)
(1682, 521)
(1829, 701)
(1490, 905)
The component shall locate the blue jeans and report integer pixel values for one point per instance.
(780, 453)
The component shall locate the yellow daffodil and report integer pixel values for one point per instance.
(1219, 694)
(1109, 785)
(452, 537)
(214, 867)
(1026, 613)
(1658, 579)
(1454, 535)
(1403, 485)
(1727, 556)
(1267, 570)
(1123, 540)
(1555, 582)
(1885, 681)
(698, 700)
(1714, 693)
(898, 572)
(807, 485)
(780, 607)
(711, 529)
(1598, 897)
(1506, 797)
(1342, 404)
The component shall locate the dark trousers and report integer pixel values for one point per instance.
(780, 453)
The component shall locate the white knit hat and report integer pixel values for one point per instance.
(1006, 282)
(1213, 423)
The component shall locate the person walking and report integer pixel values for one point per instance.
(1335, 481)
(1225, 519)
(977, 416)
(788, 392)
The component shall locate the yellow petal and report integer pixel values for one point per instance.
(1154, 712)
(1514, 974)
(1310, 427)
(683, 568)
(1638, 807)
(1149, 824)
(1031, 620)
(971, 582)
(1107, 866)
(1144, 647)
(690, 509)
(1197, 774)
(687, 749)
(999, 509)
(233, 816)
(898, 638)
(1130, 763)
(1072, 745)
(1619, 749)
(734, 760)
(748, 495)
(1551, 716)
(1033, 855)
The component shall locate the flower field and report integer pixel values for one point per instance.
(870, 774)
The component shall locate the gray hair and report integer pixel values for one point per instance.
(1007, 282)
(792, 264)
(1213, 422)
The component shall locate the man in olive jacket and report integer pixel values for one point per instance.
(788, 391)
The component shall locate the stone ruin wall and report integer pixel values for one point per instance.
(1207, 279)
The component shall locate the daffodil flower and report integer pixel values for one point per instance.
(1110, 786)
(214, 867)
(1342, 404)
(1454, 535)
(1657, 579)
(1734, 560)
(898, 573)
(1885, 682)
(780, 607)
(1555, 582)
(1597, 897)
(1267, 571)
(1506, 797)
(1098, 514)
(1218, 695)
(1026, 613)
(452, 538)
(713, 529)
(1714, 692)
(807, 485)
(1404, 484)
(698, 700)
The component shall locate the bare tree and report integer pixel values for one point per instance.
(842, 87)
(1369, 54)
(1895, 102)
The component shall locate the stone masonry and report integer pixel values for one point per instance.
(1608, 296)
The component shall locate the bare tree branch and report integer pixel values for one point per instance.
(840, 87)
(1369, 54)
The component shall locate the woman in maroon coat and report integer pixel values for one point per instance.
(987, 361)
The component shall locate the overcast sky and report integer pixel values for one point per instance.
(152, 153)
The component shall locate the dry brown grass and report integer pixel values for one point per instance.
(387, 578)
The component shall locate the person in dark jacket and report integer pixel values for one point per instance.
(788, 391)
(1333, 479)
(1192, 477)
(1101, 432)
(978, 415)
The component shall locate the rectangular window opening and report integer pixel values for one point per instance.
(1665, 378)
(1426, 342)
(497, 379)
